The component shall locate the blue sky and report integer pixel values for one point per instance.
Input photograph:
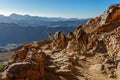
(56, 8)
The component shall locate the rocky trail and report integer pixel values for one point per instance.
(91, 52)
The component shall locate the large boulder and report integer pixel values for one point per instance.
(20, 71)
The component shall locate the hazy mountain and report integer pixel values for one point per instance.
(35, 21)
(9, 47)
(36, 18)
(25, 28)
(12, 33)
(6, 19)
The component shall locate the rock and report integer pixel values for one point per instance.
(82, 58)
(73, 46)
(18, 56)
(96, 68)
(16, 71)
(51, 68)
(26, 46)
(111, 14)
(60, 40)
(72, 57)
(68, 66)
(40, 59)
(50, 36)
(111, 76)
(39, 44)
(64, 72)
(118, 71)
(82, 39)
(32, 66)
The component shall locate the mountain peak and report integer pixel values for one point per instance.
(14, 14)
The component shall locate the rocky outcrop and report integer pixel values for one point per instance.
(93, 48)
(118, 71)
(16, 71)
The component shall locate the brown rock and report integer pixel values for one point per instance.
(118, 71)
(26, 46)
(18, 56)
(73, 46)
(16, 71)
(64, 72)
(96, 68)
(60, 40)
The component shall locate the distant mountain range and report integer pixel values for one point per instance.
(9, 47)
(18, 29)
(35, 21)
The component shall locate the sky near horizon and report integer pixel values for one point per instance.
(56, 8)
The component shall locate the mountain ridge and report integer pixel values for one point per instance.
(27, 20)
(15, 16)
(19, 29)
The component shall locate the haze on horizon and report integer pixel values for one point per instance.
(56, 8)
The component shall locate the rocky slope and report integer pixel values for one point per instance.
(91, 52)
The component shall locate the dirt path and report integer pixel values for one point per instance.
(82, 71)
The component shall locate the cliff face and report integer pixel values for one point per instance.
(106, 28)
(92, 51)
